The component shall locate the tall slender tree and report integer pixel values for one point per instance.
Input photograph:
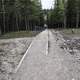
(65, 17)
(77, 13)
(3, 12)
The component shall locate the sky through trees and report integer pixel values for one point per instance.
(47, 4)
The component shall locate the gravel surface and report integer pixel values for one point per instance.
(71, 44)
(11, 52)
(62, 62)
(57, 64)
(34, 63)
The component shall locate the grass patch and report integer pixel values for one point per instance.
(19, 34)
(71, 31)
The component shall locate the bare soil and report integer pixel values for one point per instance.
(71, 43)
(11, 52)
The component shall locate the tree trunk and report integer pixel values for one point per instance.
(0, 30)
(7, 22)
(65, 18)
(26, 22)
(17, 23)
(3, 8)
(77, 15)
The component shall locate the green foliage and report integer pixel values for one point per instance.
(71, 13)
(18, 13)
(20, 34)
(66, 13)
(57, 13)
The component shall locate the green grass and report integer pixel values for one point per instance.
(20, 34)
(69, 31)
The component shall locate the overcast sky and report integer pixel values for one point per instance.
(47, 4)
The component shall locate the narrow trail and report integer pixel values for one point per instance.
(37, 65)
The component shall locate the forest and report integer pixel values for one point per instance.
(20, 15)
(66, 14)
(23, 15)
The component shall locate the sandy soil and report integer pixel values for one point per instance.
(11, 52)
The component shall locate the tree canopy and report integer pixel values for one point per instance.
(65, 14)
(17, 15)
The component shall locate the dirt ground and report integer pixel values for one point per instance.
(71, 44)
(11, 52)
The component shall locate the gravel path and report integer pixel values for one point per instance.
(57, 64)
